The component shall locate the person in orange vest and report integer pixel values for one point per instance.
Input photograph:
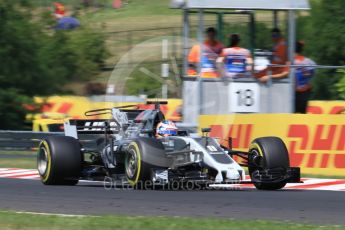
(279, 49)
(303, 76)
(279, 55)
(237, 60)
(211, 51)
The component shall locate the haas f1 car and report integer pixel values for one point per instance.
(125, 148)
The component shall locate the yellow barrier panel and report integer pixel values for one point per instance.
(316, 143)
(76, 106)
(325, 107)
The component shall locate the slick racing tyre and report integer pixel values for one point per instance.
(267, 153)
(59, 160)
(143, 155)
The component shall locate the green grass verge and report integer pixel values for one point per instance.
(18, 159)
(22, 163)
(136, 9)
(11, 220)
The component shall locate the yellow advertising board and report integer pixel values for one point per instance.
(325, 107)
(75, 106)
(316, 143)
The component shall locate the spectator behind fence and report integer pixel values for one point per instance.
(211, 50)
(63, 20)
(237, 60)
(279, 56)
(67, 23)
(58, 9)
(303, 76)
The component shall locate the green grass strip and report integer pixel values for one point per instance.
(11, 220)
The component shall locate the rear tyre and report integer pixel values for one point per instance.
(59, 160)
(268, 153)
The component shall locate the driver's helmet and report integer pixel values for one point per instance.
(166, 128)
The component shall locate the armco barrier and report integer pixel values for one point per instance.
(316, 143)
(22, 140)
(27, 140)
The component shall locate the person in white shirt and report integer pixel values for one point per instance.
(237, 60)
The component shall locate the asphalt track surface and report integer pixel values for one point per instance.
(320, 207)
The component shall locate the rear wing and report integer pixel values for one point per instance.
(124, 118)
(95, 126)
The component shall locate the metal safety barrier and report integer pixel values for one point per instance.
(22, 140)
(28, 140)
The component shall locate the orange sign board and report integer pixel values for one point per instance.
(316, 143)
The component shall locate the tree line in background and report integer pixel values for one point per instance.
(37, 60)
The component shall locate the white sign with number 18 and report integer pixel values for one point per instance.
(244, 97)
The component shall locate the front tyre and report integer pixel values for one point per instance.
(137, 172)
(59, 160)
(143, 155)
(268, 153)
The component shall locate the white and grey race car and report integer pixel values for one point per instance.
(125, 149)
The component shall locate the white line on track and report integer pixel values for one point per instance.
(48, 214)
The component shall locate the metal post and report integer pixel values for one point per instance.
(185, 41)
(275, 19)
(165, 67)
(174, 44)
(269, 94)
(291, 53)
(220, 27)
(201, 42)
(252, 34)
